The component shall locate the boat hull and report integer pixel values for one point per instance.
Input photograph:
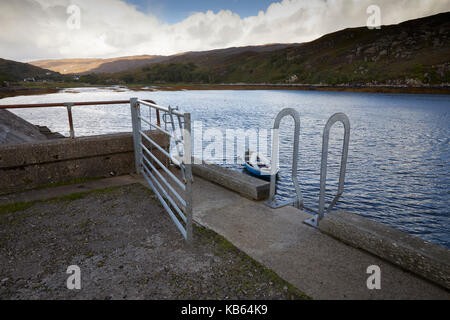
(256, 173)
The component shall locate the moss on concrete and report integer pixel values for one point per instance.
(21, 206)
(247, 264)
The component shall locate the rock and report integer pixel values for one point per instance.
(370, 50)
(436, 42)
(413, 82)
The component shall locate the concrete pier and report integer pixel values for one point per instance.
(317, 264)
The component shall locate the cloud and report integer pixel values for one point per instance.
(37, 29)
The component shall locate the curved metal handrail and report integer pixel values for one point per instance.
(275, 159)
(338, 117)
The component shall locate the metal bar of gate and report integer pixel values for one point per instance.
(177, 204)
(170, 174)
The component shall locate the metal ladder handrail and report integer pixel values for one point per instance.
(338, 117)
(275, 160)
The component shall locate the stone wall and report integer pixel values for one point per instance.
(30, 165)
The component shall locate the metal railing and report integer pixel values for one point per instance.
(338, 117)
(298, 201)
(68, 106)
(174, 193)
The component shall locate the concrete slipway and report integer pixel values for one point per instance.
(315, 263)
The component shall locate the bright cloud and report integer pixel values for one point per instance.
(37, 29)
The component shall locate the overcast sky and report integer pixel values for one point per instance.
(39, 29)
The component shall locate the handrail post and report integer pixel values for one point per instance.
(135, 113)
(69, 113)
(338, 117)
(275, 160)
(188, 176)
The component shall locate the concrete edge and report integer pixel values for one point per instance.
(423, 258)
(63, 190)
(245, 185)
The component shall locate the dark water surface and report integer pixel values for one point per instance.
(398, 170)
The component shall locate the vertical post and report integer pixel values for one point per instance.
(338, 117)
(136, 123)
(274, 164)
(275, 159)
(69, 113)
(188, 175)
(158, 120)
(323, 171)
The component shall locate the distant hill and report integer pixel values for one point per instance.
(80, 66)
(17, 71)
(413, 53)
(120, 64)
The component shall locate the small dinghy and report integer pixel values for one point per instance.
(258, 165)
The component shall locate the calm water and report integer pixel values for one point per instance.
(398, 166)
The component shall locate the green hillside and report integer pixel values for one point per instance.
(415, 52)
(17, 71)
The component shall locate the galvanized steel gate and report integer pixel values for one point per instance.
(174, 192)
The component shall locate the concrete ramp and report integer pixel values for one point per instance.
(14, 129)
(317, 264)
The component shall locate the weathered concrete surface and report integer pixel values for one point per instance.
(421, 257)
(127, 248)
(317, 264)
(14, 129)
(29, 165)
(63, 190)
(49, 134)
(245, 185)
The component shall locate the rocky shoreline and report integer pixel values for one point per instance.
(442, 89)
(6, 92)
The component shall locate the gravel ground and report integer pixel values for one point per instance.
(127, 248)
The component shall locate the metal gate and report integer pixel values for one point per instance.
(173, 190)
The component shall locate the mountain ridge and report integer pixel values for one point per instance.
(119, 64)
(413, 53)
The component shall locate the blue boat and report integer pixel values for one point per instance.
(258, 165)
